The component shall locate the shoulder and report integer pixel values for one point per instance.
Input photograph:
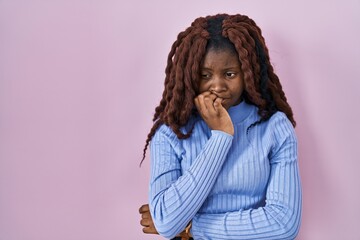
(164, 133)
(282, 134)
(280, 124)
(167, 131)
(165, 141)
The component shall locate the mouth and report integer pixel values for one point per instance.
(224, 101)
(220, 96)
(223, 98)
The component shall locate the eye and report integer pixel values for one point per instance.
(205, 76)
(230, 74)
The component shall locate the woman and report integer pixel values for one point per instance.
(223, 146)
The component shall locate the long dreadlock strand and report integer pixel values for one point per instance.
(176, 105)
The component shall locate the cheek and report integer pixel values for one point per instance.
(240, 87)
(241, 90)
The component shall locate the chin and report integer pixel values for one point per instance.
(227, 106)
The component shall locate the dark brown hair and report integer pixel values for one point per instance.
(238, 33)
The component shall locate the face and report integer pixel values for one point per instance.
(220, 74)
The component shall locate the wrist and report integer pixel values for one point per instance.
(188, 228)
(186, 234)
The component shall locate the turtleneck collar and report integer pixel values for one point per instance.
(240, 112)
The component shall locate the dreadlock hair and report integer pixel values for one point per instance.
(237, 33)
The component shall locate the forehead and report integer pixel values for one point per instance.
(220, 58)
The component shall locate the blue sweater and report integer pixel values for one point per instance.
(245, 186)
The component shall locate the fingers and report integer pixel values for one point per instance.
(218, 106)
(146, 220)
(205, 103)
(146, 215)
(212, 111)
(150, 230)
(197, 104)
(207, 99)
(144, 208)
(149, 226)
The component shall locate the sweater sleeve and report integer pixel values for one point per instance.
(175, 197)
(280, 217)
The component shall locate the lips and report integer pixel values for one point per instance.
(224, 101)
(220, 96)
(223, 98)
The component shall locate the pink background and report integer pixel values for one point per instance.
(79, 81)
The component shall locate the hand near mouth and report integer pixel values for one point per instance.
(210, 107)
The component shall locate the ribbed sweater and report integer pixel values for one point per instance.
(245, 186)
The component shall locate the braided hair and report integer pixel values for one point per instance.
(237, 33)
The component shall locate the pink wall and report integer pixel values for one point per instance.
(79, 81)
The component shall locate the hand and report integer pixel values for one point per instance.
(214, 114)
(146, 220)
(148, 224)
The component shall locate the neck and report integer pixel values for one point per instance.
(240, 112)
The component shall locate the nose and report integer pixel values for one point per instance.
(218, 85)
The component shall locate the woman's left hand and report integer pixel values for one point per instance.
(146, 220)
(148, 224)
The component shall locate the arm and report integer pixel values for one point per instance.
(280, 217)
(175, 197)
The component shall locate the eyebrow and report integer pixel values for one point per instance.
(226, 68)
